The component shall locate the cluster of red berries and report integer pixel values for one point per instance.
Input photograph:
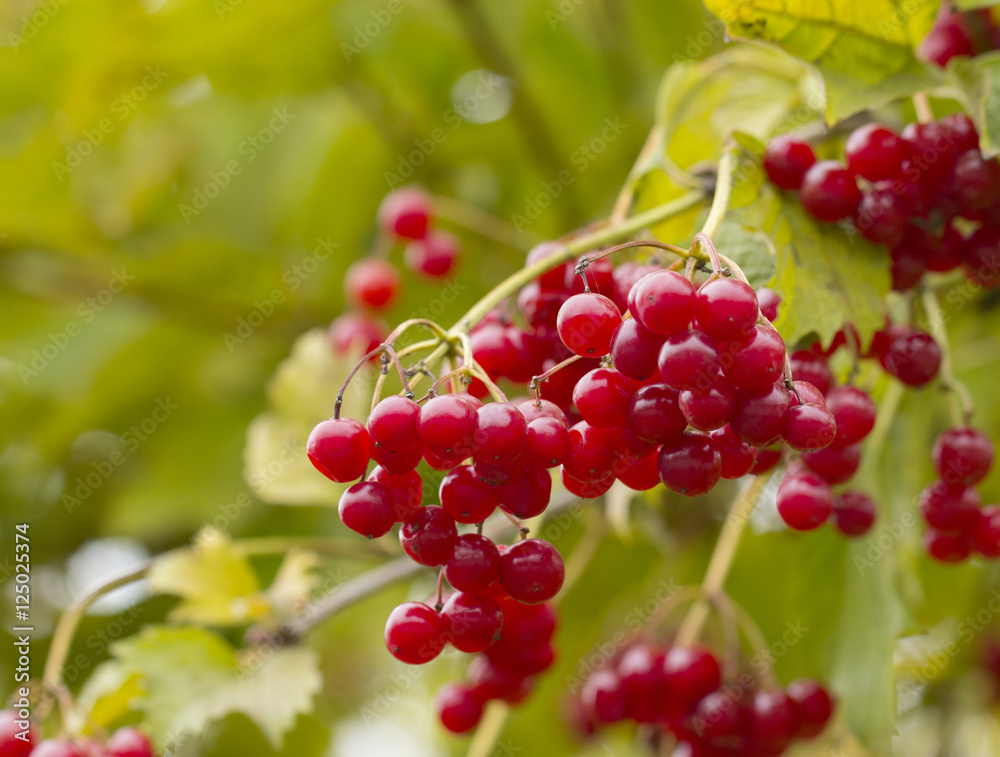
(956, 525)
(372, 284)
(959, 34)
(681, 690)
(905, 192)
(16, 742)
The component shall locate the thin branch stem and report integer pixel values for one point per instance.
(723, 190)
(477, 220)
(959, 398)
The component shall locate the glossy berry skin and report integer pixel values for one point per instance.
(854, 412)
(128, 742)
(759, 417)
(434, 256)
(338, 448)
(829, 192)
(874, 152)
(809, 427)
(585, 489)
(982, 256)
(726, 309)
(358, 332)
(472, 623)
(57, 748)
(474, 564)
(500, 433)
(881, 218)
(986, 532)
(689, 360)
(602, 397)
(654, 414)
(634, 350)
(393, 424)
(641, 672)
(548, 442)
(853, 513)
(459, 708)
(664, 302)
(592, 453)
(586, 324)
(835, 464)
(949, 509)
(813, 704)
(690, 673)
(710, 409)
(10, 744)
(528, 494)
(738, 457)
(466, 497)
(804, 501)
(371, 283)
(554, 279)
(532, 571)
(947, 548)
(690, 465)
(933, 149)
(446, 425)
(414, 633)
(963, 456)
(786, 161)
(407, 490)
(907, 268)
(757, 363)
(429, 536)
(774, 721)
(914, 358)
(768, 301)
(638, 473)
(976, 180)
(368, 508)
(405, 213)
(603, 697)
(808, 366)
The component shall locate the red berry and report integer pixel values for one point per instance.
(466, 497)
(471, 622)
(603, 697)
(808, 366)
(532, 571)
(963, 456)
(829, 192)
(548, 442)
(654, 414)
(664, 302)
(809, 427)
(407, 490)
(738, 457)
(726, 309)
(874, 152)
(690, 673)
(834, 464)
(500, 434)
(128, 742)
(986, 532)
(458, 708)
(586, 324)
(429, 536)
(804, 501)
(689, 360)
(642, 677)
(638, 473)
(447, 423)
(854, 412)
(881, 218)
(585, 489)
(634, 350)
(434, 256)
(591, 454)
(17, 737)
(913, 358)
(602, 397)
(527, 495)
(554, 278)
(786, 161)
(338, 448)
(757, 362)
(491, 681)
(768, 302)
(853, 513)
(949, 509)
(474, 564)
(933, 152)
(709, 409)
(774, 721)
(57, 748)
(371, 282)
(368, 508)
(355, 332)
(814, 706)
(759, 417)
(394, 423)
(690, 465)
(767, 459)
(982, 256)
(405, 213)
(942, 253)
(947, 548)
(976, 180)
(908, 266)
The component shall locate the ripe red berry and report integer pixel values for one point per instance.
(528, 494)
(976, 180)
(638, 473)
(368, 508)
(835, 464)
(875, 152)
(773, 720)
(726, 309)
(372, 283)
(407, 490)
(759, 417)
(466, 497)
(586, 324)
(654, 414)
(585, 489)
(914, 358)
(710, 409)
(474, 564)
(414, 633)
(947, 548)
(982, 256)
(548, 442)
(854, 412)
(950, 509)
(757, 362)
(641, 672)
(602, 397)
(603, 697)
(853, 513)
(933, 151)
(881, 218)
(986, 532)
(591, 454)
(500, 434)
(690, 465)
(634, 350)
(128, 742)
(738, 457)
(689, 360)
(434, 256)
(664, 302)
(15, 740)
(786, 161)
(472, 623)
(690, 673)
(804, 501)
(554, 278)
(358, 332)
(57, 748)
(768, 302)
(808, 366)
(908, 266)
(429, 536)
(809, 427)
(963, 456)
(405, 213)
(814, 706)
(394, 423)
(829, 192)
(532, 571)
(459, 708)
(338, 448)
(446, 425)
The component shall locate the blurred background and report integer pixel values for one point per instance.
(185, 184)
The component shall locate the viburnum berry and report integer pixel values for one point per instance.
(758, 361)
(359, 332)
(834, 464)
(554, 279)
(986, 532)
(587, 322)
(963, 456)
(710, 409)
(690, 465)
(949, 509)
(814, 705)
(57, 748)
(759, 417)
(664, 302)
(829, 192)
(591, 454)
(726, 309)
(14, 740)
(854, 412)
(809, 427)
(585, 489)
(446, 425)
(532, 571)
(338, 448)
(603, 697)
(804, 501)
(393, 423)
(808, 366)
(738, 457)
(459, 708)
(654, 414)
(914, 358)
(638, 473)
(942, 253)
(641, 672)
(405, 213)
(786, 161)
(881, 218)
(528, 494)
(500, 433)
(368, 508)
(976, 180)
(128, 742)
(474, 563)
(947, 547)
(634, 350)
(466, 497)
(428, 537)
(853, 513)
(875, 152)
(773, 720)
(372, 283)
(767, 459)
(407, 490)
(908, 266)
(472, 623)
(433, 256)
(690, 674)
(548, 442)
(602, 397)
(768, 301)
(689, 360)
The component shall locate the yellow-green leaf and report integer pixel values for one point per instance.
(864, 48)
(976, 84)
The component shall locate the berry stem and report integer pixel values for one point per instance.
(723, 190)
(537, 381)
(959, 398)
(922, 106)
(722, 559)
(477, 220)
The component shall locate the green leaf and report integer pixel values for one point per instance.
(865, 50)
(294, 583)
(976, 84)
(750, 249)
(191, 677)
(216, 584)
(109, 694)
